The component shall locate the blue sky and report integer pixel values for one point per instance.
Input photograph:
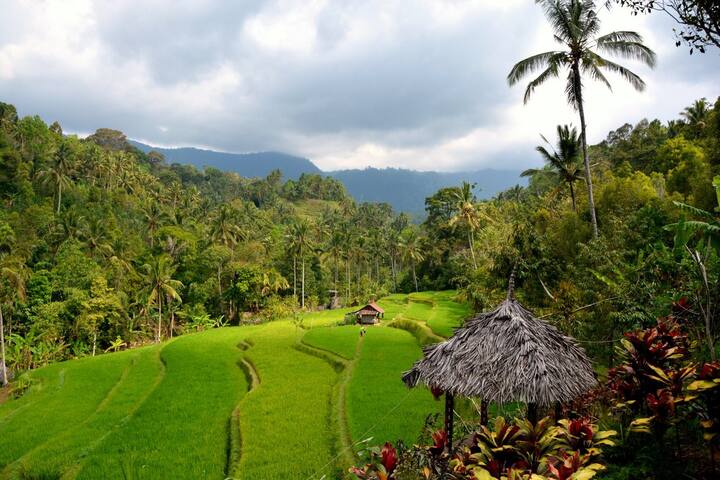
(347, 83)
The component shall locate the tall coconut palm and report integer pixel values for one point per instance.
(411, 250)
(160, 284)
(466, 213)
(576, 26)
(564, 162)
(12, 287)
(58, 172)
(300, 243)
(334, 249)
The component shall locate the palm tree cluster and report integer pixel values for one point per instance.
(576, 27)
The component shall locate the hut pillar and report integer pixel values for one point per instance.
(532, 412)
(483, 412)
(449, 409)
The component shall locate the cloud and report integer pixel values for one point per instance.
(347, 83)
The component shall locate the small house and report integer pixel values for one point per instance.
(370, 314)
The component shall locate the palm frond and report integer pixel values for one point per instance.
(552, 71)
(631, 49)
(545, 154)
(530, 65)
(694, 210)
(629, 76)
(592, 69)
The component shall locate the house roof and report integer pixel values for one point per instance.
(506, 355)
(371, 307)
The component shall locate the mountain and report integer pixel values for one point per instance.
(258, 164)
(406, 190)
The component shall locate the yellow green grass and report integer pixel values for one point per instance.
(339, 340)
(182, 409)
(379, 404)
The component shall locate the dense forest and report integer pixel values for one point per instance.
(104, 245)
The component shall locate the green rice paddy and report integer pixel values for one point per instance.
(276, 400)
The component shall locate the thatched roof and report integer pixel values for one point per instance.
(371, 307)
(506, 355)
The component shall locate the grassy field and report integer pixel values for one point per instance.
(276, 400)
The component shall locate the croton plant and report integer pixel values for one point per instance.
(659, 385)
(516, 450)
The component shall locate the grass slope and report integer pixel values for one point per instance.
(379, 404)
(181, 430)
(64, 395)
(63, 452)
(183, 410)
(285, 421)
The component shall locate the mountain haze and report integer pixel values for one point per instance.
(258, 164)
(404, 189)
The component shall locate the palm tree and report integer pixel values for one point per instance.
(58, 172)
(224, 231)
(153, 215)
(300, 242)
(12, 277)
(563, 163)
(696, 114)
(410, 247)
(334, 248)
(576, 25)
(160, 284)
(466, 213)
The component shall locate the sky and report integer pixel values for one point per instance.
(415, 84)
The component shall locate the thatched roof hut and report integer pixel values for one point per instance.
(507, 355)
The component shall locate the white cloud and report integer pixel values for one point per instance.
(348, 83)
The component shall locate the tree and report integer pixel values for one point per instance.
(300, 243)
(410, 245)
(563, 163)
(12, 286)
(223, 230)
(576, 24)
(697, 113)
(58, 172)
(699, 19)
(160, 283)
(467, 214)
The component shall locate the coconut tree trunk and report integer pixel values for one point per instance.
(294, 276)
(59, 198)
(159, 319)
(172, 322)
(3, 366)
(471, 242)
(583, 138)
(302, 284)
(94, 340)
(414, 275)
(572, 195)
(335, 282)
(394, 275)
(347, 277)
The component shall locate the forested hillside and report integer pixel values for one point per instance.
(104, 244)
(259, 164)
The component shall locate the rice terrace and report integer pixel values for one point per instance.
(245, 402)
(360, 240)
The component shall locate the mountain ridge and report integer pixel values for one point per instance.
(404, 189)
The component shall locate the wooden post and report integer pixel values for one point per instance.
(483, 412)
(449, 408)
(532, 413)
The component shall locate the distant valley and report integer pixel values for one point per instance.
(404, 189)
